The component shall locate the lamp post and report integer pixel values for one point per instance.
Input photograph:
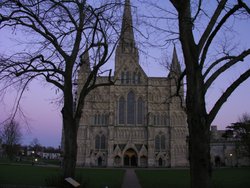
(33, 157)
(231, 159)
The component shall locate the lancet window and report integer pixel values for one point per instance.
(140, 111)
(160, 142)
(122, 110)
(131, 111)
(101, 119)
(100, 142)
(127, 77)
(131, 108)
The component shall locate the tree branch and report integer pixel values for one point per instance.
(216, 63)
(211, 24)
(225, 67)
(215, 31)
(198, 11)
(223, 98)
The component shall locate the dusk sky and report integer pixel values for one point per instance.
(44, 117)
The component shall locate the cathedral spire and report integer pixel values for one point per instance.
(175, 68)
(126, 54)
(84, 61)
(127, 32)
(174, 76)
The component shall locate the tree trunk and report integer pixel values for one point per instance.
(70, 129)
(70, 147)
(199, 127)
(199, 149)
(199, 132)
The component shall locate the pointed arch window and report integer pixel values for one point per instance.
(122, 77)
(155, 120)
(139, 78)
(103, 142)
(97, 141)
(127, 77)
(140, 111)
(100, 142)
(95, 121)
(131, 108)
(160, 143)
(163, 146)
(130, 111)
(98, 119)
(106, 119)
(121, 110)
(135, 78)
(166, 120)
(157, 143)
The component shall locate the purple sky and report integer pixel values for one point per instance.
(44, 118)
(45, 123)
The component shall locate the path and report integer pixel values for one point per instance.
(130, 179)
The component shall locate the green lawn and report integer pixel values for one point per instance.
(170, 178)
(99, 178)
(178, 178)
(37, 175)
(231, 178)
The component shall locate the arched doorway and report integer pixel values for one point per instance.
(217, 161)
(99, 160)
(130, 158)
(160, 162)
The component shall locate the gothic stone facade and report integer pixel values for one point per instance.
(134, 122)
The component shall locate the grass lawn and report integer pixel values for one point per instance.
(37, 175)
(169, 178)
(178, 178)
(231, 178)
(99, 178)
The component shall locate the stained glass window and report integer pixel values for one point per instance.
(97, 142)
(121, 111)
(131, 108)
(140, 111)
(103, 142)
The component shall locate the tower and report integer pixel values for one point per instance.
(126, 51)
(174, 76)
(178, 128)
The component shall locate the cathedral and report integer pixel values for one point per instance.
(137, 121)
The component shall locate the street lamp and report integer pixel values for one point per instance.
(33, 157)
(231, 159)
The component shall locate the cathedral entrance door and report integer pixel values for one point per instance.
(99, 161)
(130, 158)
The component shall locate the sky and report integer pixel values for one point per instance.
(44, 117)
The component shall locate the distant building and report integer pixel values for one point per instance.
(46, 153)
(226, 151)
(135, 122)
(51, 155)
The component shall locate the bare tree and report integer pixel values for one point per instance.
(58, 32)
(35, 145)
(11, 136)
(205, 31)
(201, 73)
